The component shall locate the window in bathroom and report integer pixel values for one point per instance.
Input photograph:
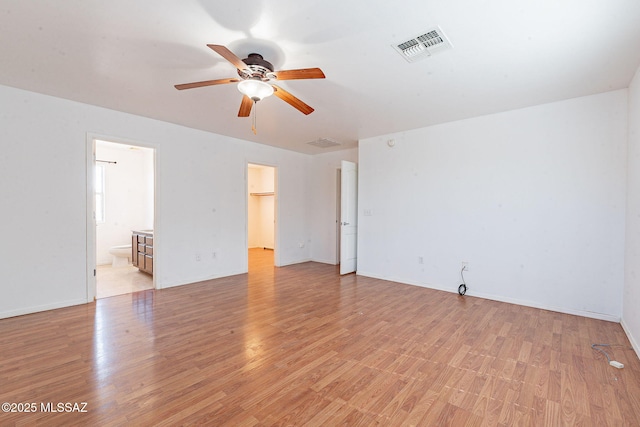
(99, 186)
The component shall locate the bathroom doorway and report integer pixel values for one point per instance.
(261, 216)
(124, 194)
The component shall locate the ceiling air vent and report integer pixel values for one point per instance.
(324, 143)
(419, 47)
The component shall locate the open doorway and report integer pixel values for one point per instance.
(124, 211)
(261, 216)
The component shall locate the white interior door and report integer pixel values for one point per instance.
(348, 217)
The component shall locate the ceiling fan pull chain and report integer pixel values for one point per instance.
(253, 125)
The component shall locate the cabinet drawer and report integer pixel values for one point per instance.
(134, 250)
(148, 264)
(148, 240)
(149, 250)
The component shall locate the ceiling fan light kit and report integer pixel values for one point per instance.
(255, 74)
(255, 89)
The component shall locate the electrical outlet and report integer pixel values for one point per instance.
(465, 266)
(214, 255)
(420, 260)
(197, 257)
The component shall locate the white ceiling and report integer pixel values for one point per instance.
(127, 55)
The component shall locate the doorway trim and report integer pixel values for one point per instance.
(338, 212)
(276, 210)
(91, 244)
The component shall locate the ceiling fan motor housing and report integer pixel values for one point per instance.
(260, 68)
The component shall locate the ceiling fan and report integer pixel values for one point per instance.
(255, 79)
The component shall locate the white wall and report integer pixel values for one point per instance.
(201, 199)
(532, 199)
(322, 200)
(631, 305)
(128, 195)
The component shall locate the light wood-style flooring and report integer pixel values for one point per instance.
(300, 345)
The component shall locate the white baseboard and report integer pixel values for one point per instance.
(324, 261)
(194, 280)
(300, 261)
(583, 313)
(631, 338)
(39, 308)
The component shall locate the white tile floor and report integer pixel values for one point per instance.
(112, 281)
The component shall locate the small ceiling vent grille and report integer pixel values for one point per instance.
(424, 45)
(324, 143)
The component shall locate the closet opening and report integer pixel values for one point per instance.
(261, 216)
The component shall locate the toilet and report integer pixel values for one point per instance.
(121, 255)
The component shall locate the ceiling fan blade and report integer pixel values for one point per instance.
(229, 56)
(304, 73)
(245, 107)
(205, 83)
(292, 100)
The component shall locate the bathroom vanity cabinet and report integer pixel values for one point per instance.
(142, 250)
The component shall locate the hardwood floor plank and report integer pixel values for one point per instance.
(301, 345)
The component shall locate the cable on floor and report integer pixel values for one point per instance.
(462, 289)
(613, 363)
